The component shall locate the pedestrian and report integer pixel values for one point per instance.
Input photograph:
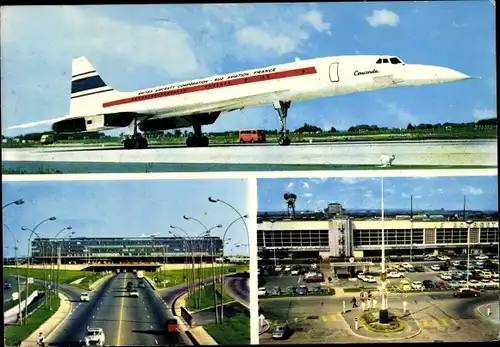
(369, 295)
(353, 301)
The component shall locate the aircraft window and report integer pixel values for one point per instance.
(386, 61)
(395, 60)
(379, 61)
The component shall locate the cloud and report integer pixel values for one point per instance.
(408, 196)
(257, 37)
(383, 17)
(315, 18)
(290, 185)
(308, 195)
(318, 180)
(404, 116)
(484, 113)
(305, 185)
(349, 180)
(470, 190)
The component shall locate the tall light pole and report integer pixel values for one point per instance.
(17, 202)
(213, 267)
(17, 270)
(469, 222)
(383, 313)
(221, 269)
(52, 258)
(51, 219)
(43, 253)
(190, 276)
(411, 228)
(214, 200)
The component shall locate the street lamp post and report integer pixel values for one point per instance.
(213, 267)
(17, 270)
(28, 263)
(235, 210)
(221, 269)
(383, 313)
(43, 254)
(468, 222)
(190, 276)
(52, 257)
(17, 202)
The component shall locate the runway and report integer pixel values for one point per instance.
(433, 154)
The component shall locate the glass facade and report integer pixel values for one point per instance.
(292, 239)
(102, 249)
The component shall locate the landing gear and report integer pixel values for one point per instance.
(136, 140)
(282, 108)
(198, 140)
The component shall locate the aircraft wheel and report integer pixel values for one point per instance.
(128, 144)
(143, 142)
(190, 141)
(204, 141)
(284, 141)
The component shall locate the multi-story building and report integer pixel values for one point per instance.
(103, 250)
(317, 234)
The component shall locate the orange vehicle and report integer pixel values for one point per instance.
(252, 136)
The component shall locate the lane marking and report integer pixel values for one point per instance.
(443, 321)
(151, 326)
(156, 341)
(148, 316)
(436, 323)
(93, 317)
(120, 318)
(426, 323)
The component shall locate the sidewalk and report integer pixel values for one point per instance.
(202, 337)
(50, 324)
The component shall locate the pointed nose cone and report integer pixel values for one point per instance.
(444, 75)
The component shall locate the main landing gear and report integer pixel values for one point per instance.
(198, 140)
(282, 108)
(136, 140)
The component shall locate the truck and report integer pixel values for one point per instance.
(47, 139)
(171, 326)
(140, 274)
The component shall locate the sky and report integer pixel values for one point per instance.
(429, 193)
(141, 46)
(124, 208)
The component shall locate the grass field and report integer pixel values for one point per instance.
(175, 277)
(206, 299)
(11, 303)
(65, 276)
(15, 333)
(233, 331)
(88, 281)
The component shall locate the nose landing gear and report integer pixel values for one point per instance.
(198, 140)
(282, 108)
(136, 140)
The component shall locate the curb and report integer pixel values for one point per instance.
(485, 316)
(151, 282)
(266, 329)
(100, 281)
(384, 339)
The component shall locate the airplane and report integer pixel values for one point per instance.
(95, 106)
(150, 235)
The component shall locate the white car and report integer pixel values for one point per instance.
(482, 257)
(486, 274)
(406, 265)
(454, 284)
(262, 291)
(443, 257)
(295, 272)
(369, 279)
(84, 297)
(288, 268)
(258, 272)
(278, 268)
(94, 336)
(134, 293)
(435, 267)
(487, 283)
(462, 284)
(475, 284)
(456, 263)
(395, 274)
(495, 275)
(495, 283)
(445, 276)
(417, 285)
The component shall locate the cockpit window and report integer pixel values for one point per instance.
(379, 61)
(386, 61)
(395, 60)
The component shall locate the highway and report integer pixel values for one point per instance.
(317, 156)
(440, 316)
(7, 293)
(126, 321)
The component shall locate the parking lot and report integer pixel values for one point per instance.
(427, 272)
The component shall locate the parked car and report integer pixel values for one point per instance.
(443, 257)
(290, 290)
(417, 285)
(7, 285)
(404, 285)
(275, 291)
(435, 267)
(282, 332)
(445, 276)
(456, 276)
(453, 284)
(466, 293)
(302, 290)
(410, 269)
(262, 291)
(482, 257)
(394, 274)
(419, 268)
(441, 285)
(369, 279)
(428, 284)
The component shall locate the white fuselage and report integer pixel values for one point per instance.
(300, 80)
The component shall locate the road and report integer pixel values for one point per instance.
(441, 317)
(329, 156)
(126, 321)
(7, 293)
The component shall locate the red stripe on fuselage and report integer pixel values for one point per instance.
(215, 85)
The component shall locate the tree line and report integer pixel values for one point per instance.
(306, 128)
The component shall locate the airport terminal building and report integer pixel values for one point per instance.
(105, 250)
(343, 236)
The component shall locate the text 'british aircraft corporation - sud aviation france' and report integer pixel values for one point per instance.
(95, 106)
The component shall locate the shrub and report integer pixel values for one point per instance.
(369, 320)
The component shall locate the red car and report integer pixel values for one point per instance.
(466, 293)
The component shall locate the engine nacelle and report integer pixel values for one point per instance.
(178, 122)
(93, 123)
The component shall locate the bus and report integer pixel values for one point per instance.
(252, 136)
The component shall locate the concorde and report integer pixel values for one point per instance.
(95, 106)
